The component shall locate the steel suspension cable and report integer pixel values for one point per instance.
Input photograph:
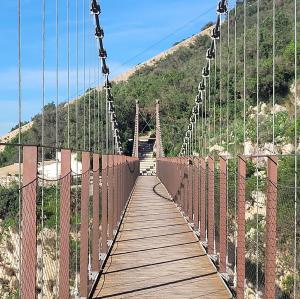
(235, 81)
(56, 145)
(68, 70)
(43, 140)
(205, 117)
(98, 106)
(77, 76)
(257, 141)
(89, 108)
(94, 98)
(19, 135)
(244, 77)
(228, 80)
(202, 128)
(209, 102)
(220, 88)
(215, 93)
(227, 132)
(296, 275)
(84, 74)
(235, 143)
(273, 74)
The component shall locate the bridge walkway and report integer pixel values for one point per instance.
(156, 254)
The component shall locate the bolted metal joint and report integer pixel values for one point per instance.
(99, 33)
(205, 72)
(210, 54)
(102, 53)
(105, 70)
(215, 33)
(222, 7)
(95, 8)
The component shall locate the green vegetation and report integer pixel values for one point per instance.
(174, 80)
(9, 205)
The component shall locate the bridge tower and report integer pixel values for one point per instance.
(135, 150)
(158, 143)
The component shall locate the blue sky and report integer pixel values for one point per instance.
(131, 27)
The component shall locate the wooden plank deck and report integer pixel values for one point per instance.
(156, 255)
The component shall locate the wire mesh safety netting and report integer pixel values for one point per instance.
(10, 242)
(288, 230)
(39, 206)
(231, 187)
(217, 209)
(255, 225)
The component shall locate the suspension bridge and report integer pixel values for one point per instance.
(147, 224)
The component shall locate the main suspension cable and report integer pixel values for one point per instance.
(110, 109)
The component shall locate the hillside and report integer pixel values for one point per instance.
(173, 77)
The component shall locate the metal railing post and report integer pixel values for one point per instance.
(196, 194)
(211, 205)
(203, 201)
(110, 172)
(65, 211)
(84, 226)
(271, 227)
(223, 214)
(95, 228)
(28, 228)
(104, 206)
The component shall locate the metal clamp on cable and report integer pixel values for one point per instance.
(111, 107)
(102, 53)
(201, 86)
(107, 84)
(195, 111)
(105, 69)
(198, 99)
(99, 32)
(205, 71)
(222, 7)
(95, 8)
(216, 29)
(210, 54)
(110, 98)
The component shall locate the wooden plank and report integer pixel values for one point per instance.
(156, 255)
